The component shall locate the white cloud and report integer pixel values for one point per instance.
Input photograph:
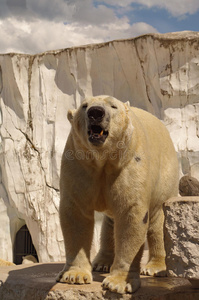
(60, 24)
(142, 28)
(36, 26)
(82, 11)
(121, 3)
(42, 35)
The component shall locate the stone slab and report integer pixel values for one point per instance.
(37, 282)
(181, 230)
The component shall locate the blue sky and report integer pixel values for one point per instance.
(163, 20)
(34, 26)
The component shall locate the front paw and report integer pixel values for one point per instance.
(154, 268)
(101, 267)
(122, 283)
(74, 275)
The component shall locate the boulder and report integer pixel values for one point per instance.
(189, 186)
(181, 230)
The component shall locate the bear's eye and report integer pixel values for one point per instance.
(85, 105)
(113, 106)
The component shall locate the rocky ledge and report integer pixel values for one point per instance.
(37, 282)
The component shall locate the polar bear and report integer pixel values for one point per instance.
(121, 161)
(29, 259)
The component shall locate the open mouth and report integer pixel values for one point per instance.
(97, 135)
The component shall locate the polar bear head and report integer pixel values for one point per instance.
(101, 121)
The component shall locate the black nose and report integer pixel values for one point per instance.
(96, 113)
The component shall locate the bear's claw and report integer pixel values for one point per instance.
(74, 277)
(103, 262)
(119, 284)
(101, 268)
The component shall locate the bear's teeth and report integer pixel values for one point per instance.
(101, 133)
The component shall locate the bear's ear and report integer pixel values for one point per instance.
(71, 114)
(127, 104)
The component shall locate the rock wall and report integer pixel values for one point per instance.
(159, 73)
